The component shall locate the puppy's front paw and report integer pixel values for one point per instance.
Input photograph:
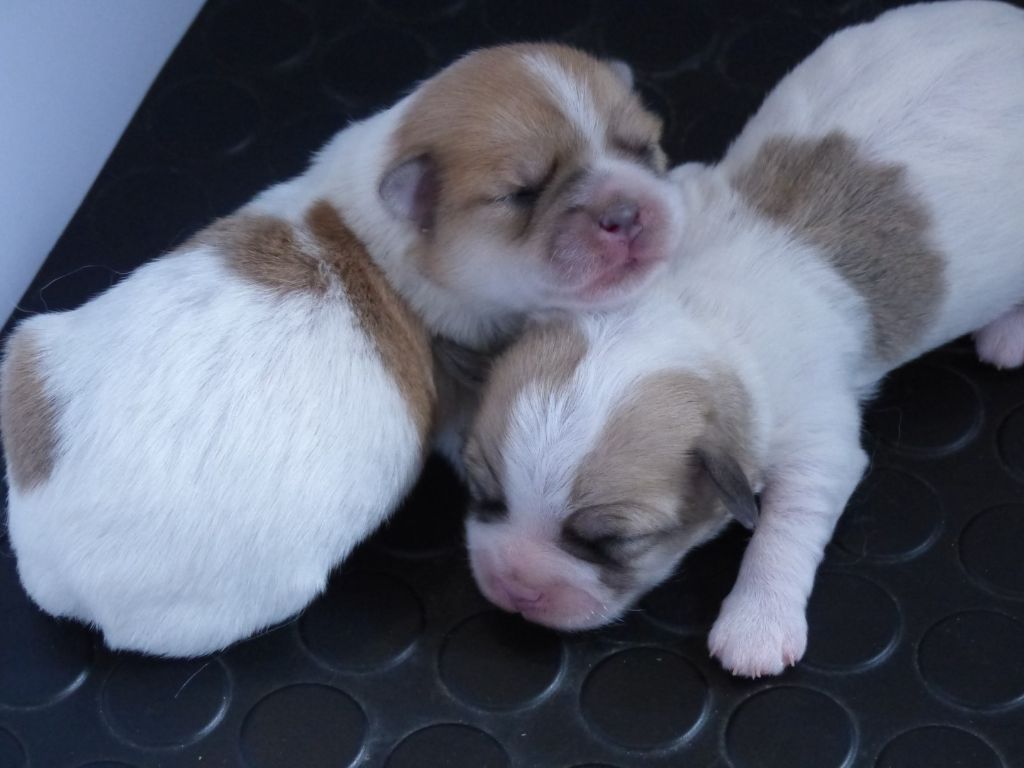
(754, 636)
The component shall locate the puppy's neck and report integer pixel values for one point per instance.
(347, 174)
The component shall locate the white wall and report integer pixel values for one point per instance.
(72, 73)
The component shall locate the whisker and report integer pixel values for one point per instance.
(57, 279)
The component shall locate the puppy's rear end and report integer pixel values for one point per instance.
(175, 478)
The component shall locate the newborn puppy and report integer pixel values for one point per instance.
(190, 453)
(534, 172)
(870, 211)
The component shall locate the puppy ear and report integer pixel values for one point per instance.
(622, 71)
(731, 482)
(410, 191)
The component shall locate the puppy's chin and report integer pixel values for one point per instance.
(565, 608)
(575, 621)
(611, 288)
(619, 284)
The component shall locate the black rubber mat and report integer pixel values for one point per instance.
(916, 656)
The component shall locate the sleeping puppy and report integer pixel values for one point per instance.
(190, 453)
(869, 212)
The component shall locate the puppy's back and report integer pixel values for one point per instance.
(180, 448)
(909, 124)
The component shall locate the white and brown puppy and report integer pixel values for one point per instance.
(871, 210)
(190, 453)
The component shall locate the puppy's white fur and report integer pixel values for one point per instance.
(209, 480)
(933, 89)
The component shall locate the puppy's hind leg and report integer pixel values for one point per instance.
(1001, 342)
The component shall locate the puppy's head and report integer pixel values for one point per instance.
(534, 177)
(593, 469)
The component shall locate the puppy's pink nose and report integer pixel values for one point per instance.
(521, 596)
(621, 218)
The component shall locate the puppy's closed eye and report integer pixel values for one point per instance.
(487, 502)
(488, 509)
(603, 550)
(641, 150)
(526, 194)
(609, 536)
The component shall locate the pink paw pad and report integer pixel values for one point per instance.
(1001, 342)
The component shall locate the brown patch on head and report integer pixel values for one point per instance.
(28, 415)
(650, 438)
(546, 356)
(644, 484)
(400, 336)
(271, 253)
(491, 123)
(864, 218)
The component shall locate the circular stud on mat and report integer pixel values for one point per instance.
(453, 746)
(973, 659)
(313, 726)
(787, 727)
(854, 623)
(936, 746)
(156, 703)
(906, 414)
(364, 621)
(496, 660)
(893, 516)
(617, 699)
(42, 660)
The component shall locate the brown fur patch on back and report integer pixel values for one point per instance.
(269, 252)
(265, 250)
(545, 356)
(864, 218)
(28, 415)
(400, 336)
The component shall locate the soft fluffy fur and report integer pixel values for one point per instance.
(190, 453)
(793, 292)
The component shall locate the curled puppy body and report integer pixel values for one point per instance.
(870, 211)
(190, 453)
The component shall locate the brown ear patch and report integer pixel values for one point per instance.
(28, 415)
(273, 254)
(865, 219)
(400, 336)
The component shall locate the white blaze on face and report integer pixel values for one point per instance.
(594, 445)
(518, 562)
(573, 96)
